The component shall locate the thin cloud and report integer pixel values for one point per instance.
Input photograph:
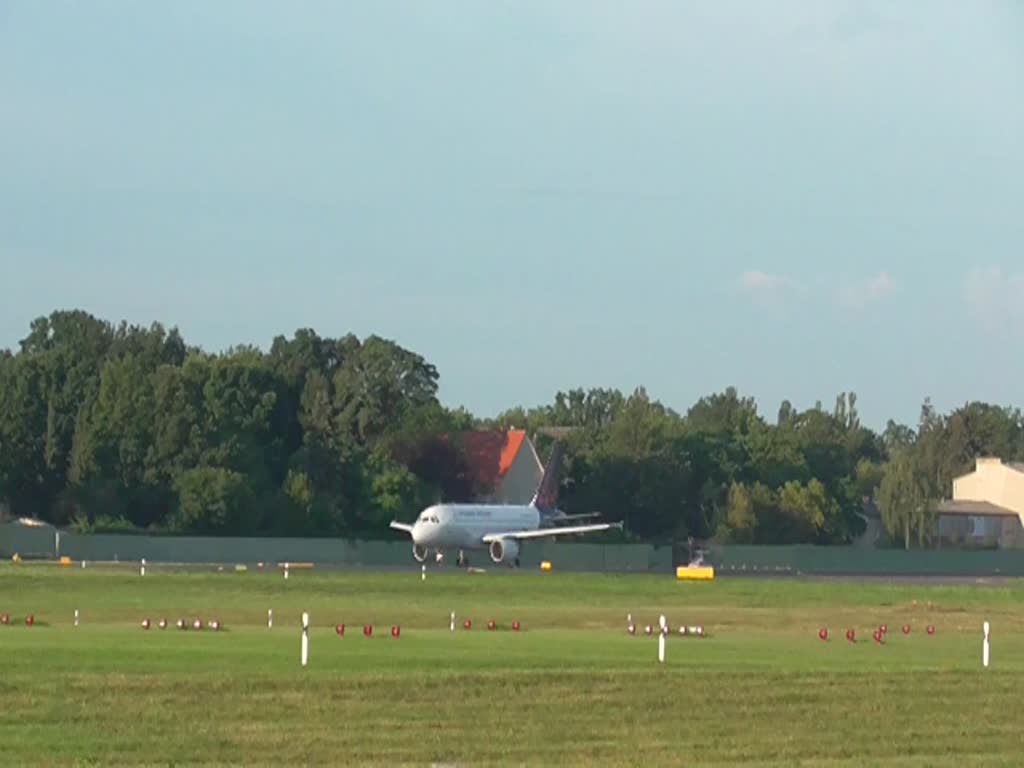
(881, 286)
(860, 294)
(762, 287)
(767, 289)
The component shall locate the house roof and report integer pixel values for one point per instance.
(980, 508)
(491, 453)
(515, 441)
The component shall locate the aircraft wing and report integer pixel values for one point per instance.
(401, 526)
(541, 533)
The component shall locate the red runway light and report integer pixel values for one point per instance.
(491, 625)
(467, 624)
(368, 630)
(851, 636)
(395, 631)
(823, 634)
(931, 630)
(515, 626)
(906, 629)
(30, 620)
(340, 630)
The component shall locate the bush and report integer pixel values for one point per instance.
(103, 524)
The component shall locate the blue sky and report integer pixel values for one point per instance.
(795, 198)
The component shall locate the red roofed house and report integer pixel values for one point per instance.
(504, 462)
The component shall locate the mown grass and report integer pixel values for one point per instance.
(571, 689)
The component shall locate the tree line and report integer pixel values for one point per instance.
(109, 427)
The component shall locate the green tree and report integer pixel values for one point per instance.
(903, 499)
(724, 412)
(126, 425)
(214, 500)
(740, 524)
(376, 386)
(27, 481)
(112, 442)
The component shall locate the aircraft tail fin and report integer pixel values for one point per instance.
(546, 497)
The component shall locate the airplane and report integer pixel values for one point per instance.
(498, 528)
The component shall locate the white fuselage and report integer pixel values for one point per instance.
(463, 526)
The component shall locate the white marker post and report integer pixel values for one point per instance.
(305, 639)
(451, 624)
(142, 568)
(286, 571)
(76, 617)
(423, 572)
(985, 646)
(661, 640)
(270, 618)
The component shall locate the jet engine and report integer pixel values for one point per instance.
(419, 551)
(504, 551)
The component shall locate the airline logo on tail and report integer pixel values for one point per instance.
(546, 497)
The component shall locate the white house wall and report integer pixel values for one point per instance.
(994, 482)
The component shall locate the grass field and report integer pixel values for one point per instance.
(572, 688)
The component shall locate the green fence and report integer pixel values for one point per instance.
(46, 543)
(27, 541)
(608, 558)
